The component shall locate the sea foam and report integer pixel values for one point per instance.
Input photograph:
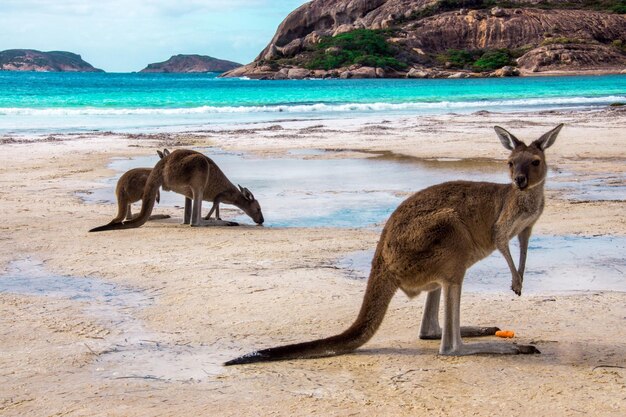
(529, 103)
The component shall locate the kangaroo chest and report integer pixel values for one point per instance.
(522, 214)
(522, 223)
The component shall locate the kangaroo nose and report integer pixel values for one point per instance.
(521, 181)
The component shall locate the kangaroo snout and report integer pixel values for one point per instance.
(521, 181)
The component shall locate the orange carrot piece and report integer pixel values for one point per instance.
(505, 333)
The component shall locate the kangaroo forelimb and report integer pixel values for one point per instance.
(516, 282)
(523, 238)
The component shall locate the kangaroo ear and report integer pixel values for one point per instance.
(547, 139)
(166, 151)
(508, 140)
(240, 188)
(160, 154)
(247, 194)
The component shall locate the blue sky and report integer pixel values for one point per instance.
(126, 35)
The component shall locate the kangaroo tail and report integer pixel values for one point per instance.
(147, 202)
(380, 290)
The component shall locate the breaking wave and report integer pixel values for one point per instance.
(442, 106)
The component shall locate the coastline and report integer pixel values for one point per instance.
(297, 73)
(212, 294)
(444, 73)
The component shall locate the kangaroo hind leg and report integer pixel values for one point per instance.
(451, 343)
(196, 209)
(187, 212)
(430, 329)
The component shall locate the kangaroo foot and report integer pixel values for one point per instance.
(159, 216)
(489, 348)
(213, 222)
(466, 331)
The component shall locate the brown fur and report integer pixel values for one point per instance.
(129, 190)
(195, 176)
(429, 242)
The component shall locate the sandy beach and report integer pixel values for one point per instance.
(164, 305)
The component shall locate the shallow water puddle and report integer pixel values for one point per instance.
(313, 192)
(555, 264)
(306, 189)
(131, 351)
(30, 277)
(611, 187)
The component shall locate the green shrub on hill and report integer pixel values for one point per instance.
(478, 60)
(459, 58)
(361, 46)
(619, 45)
(620, 7)
(492, 60)
(562, 40)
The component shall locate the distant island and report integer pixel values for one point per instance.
(52, 61)
(192, 63)
(444, 39)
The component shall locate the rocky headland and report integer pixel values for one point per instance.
(192, 63)
(444, 38)
(53, 61)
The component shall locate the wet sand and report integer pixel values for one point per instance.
(141, 320)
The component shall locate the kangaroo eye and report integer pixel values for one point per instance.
(536, 162)
(510, 164)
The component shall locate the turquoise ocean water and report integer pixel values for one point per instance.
(74, 102)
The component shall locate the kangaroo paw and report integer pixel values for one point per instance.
(516, 286)
(517, 290)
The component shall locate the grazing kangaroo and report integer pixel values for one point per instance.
(429, 242)
(198, 178)
(129, 190)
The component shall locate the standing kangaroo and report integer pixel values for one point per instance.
(198, 178)
(429, 242)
